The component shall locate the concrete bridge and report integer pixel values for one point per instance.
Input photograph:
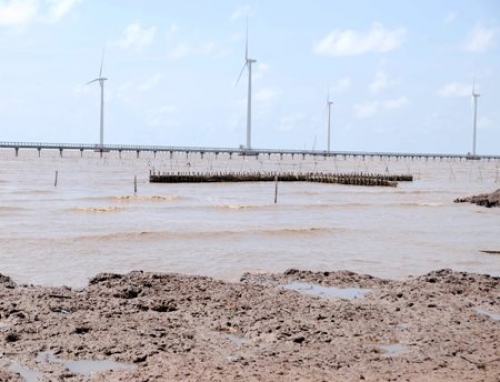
(61, 147)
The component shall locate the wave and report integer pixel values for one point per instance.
(314, 206)
(154, 198)
(11, 209)
(420, 204)
(240, 207)
(203, 235)
(421, 192)
(97, 209)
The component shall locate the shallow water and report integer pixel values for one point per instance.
(393, 349)
(26, 373)
(491, 315)
(83, 367)
(93, 222)
(319, 290)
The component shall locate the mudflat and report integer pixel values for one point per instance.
(292, 326)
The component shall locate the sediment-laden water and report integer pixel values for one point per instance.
(92, 221)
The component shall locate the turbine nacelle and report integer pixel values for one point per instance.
(97, 79)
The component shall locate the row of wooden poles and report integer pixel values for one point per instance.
(319, 177)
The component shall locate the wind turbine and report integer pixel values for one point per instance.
(248, 63)
(474, 98)
(329, 105)
(101, 80)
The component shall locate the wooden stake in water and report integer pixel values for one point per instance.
(135, 184)
(276, 189)
(55, 179)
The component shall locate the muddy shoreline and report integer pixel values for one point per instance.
(486, 200)
(291, 326)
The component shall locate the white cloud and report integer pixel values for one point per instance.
(16, 13)
(125, 92)
(265, 95)
(367, 109)
(163, 116)
(135, 37)
(184, 49)
(59, 8)
(396, 103)
(380, 82)
(81, 89)
(450, 17)
(350, 42)
(150, 83)
(485, 123)
(480, 39)
(181, 49)
(342, 85)
(260, 70)
(455, 89)
(241, 12)
(291, 122)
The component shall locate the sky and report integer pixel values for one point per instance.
(399, 73)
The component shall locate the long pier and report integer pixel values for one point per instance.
(61, 147)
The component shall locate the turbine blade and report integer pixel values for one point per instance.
(88, 83)
(102, 63)
(241, 73)
(246, 43)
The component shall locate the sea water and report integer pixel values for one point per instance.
(64, 231)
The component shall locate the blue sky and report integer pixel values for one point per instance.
(399, 72)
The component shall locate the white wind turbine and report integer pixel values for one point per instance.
(248, 63)
(329, 105)
(101, 80)
(474, 99)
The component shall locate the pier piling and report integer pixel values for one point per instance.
(276, 189)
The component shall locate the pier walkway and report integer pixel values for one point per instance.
(61, 147)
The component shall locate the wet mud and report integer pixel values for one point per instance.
(442, 326)
(486, 200)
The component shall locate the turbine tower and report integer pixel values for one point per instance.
(474, 98)
(248, 63)
(329, 105)
(101, 80)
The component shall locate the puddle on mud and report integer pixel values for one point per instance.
(402, 325)
(86, 367)
(487, 313)
(322, 291)
(4, 326)
(27, 374)
(393, 349)
(83, 367)
(235, 339)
